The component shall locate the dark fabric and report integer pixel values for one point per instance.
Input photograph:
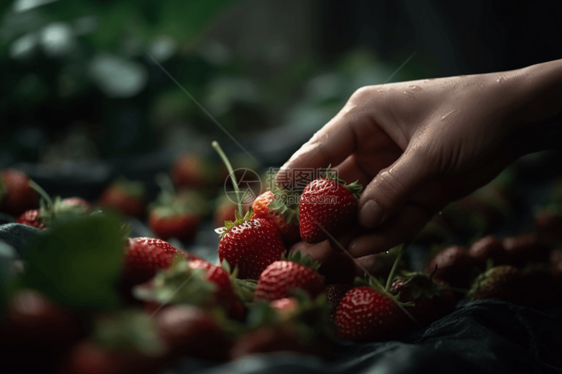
(483, 337)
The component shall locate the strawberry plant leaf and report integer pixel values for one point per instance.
(77, 263)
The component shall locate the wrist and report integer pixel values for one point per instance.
(534, 95)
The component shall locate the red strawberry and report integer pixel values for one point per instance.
(454, 267)
(365, 313)
(281, 278)
(334, 294)
(192, 171)
(522, 249)
(126, 197)
(190, 331)
(251, 244)
(548, 226)
(431, 301)
(31, 218)
(16, 196)
(489, 247)
(31, 323)
(285, 307)
(327, 204)
(499, 282)
(268, 339)
(272, 205)
(143, 259)
(183, 226)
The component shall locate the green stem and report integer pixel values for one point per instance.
(42, 193)
(395, 265)
(219, 150)
(165, 183)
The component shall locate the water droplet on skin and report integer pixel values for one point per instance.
(415, 88)
(500, 79)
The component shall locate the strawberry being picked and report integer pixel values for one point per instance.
(431, 300)
(281, 278)
(16, 195)
(327, 205)
(272, 205)
(370, 313)
(173, 216)
(125, 197)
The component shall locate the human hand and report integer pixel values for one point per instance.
(420, 145)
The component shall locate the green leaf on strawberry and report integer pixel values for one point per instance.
(179, 284)
(238, 220)
(305, 260)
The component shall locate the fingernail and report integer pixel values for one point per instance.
(370, 215)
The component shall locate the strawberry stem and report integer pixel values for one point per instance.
(395, 265)
(219, 150)
(44, 195)
(165, 183)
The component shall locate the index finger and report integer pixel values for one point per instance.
(329, 146)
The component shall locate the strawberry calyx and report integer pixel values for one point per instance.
(305, 260)
(354, 187)
(51, 209)
(373, 283)
(279, 205)
(488, 277)
(238, 220)
(131, 330)
(243, 288)
(179, 284)
(421, 284)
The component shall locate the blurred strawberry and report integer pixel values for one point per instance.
(453, 266)
(143, 257)
(523, 249)
(489, 247)
(123, 342)
(224, 211)
(281, 278)
(191, 331)
(292, 324)
(251, 244)
(32, 323)
(16, 196)
(431, 301)
(52, 209)
(500, 282)
(272, 205)
(334, 294)
(192, 171)
(31, 218)
(125, 197)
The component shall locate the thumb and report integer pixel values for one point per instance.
(391, 188)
